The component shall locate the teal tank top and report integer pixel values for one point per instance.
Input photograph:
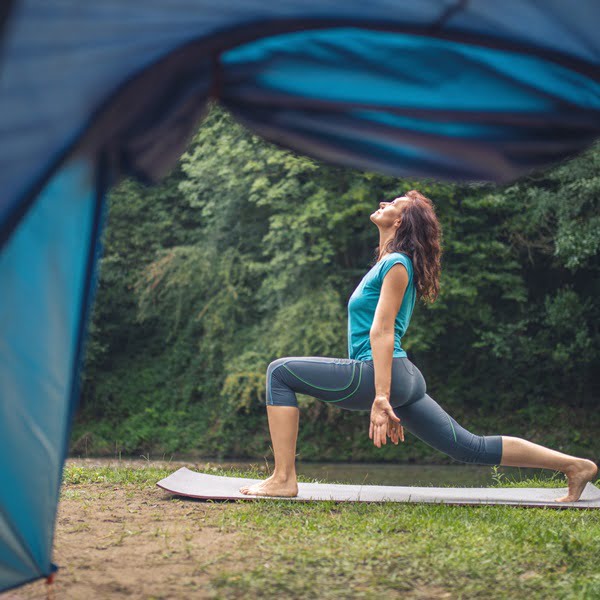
(363, 302)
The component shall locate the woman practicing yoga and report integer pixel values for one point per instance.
(379, 377)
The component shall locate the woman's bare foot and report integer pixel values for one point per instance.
(287, 488)
(578, 476)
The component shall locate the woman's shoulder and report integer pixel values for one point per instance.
(388, 261)
(394, 256)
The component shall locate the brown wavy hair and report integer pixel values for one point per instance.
(419, 236)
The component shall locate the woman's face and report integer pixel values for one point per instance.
(389, 212)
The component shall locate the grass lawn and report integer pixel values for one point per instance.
(119, 536)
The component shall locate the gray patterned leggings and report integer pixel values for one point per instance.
(350, 384)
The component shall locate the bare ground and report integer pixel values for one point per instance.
(126, 542)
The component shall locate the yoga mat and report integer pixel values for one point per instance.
(214, 487)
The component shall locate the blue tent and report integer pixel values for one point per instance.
(97, 90)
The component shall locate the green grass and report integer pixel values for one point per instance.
(556, 479)
(363, 550)
(357, 550)
(143, 477)
(148, 475)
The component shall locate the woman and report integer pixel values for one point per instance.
(378, 375)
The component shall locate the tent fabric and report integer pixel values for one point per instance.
(43, 271)
(63, 63)
(93, 91)
(386, 117)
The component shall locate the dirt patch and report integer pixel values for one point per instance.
(127, 542)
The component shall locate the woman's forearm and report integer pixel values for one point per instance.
(382, 348)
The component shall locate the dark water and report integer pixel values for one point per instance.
(416, 475)
(403, 474)
(360, 473)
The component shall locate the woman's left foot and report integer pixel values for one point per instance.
(578, 477)
(272, 487)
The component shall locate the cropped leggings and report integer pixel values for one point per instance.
(350, 384)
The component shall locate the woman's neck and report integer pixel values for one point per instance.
(384, 239)
(381, 256)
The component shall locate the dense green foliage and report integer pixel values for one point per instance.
(247, 253)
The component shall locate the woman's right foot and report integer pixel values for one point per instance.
(272, 487)
(578, 477)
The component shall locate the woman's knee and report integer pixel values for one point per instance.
(277, 392)
(275, 363)
(464, 454)
(476, 449)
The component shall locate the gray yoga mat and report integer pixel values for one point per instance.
(214, 487)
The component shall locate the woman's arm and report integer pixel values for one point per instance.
(381, 335)
(382, 347)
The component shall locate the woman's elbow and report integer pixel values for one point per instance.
(381, 332)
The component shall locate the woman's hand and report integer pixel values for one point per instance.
(384, 419)
(395, 431)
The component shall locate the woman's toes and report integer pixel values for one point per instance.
(578, 478)
(563, 499)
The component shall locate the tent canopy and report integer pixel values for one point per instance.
(94, 91)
